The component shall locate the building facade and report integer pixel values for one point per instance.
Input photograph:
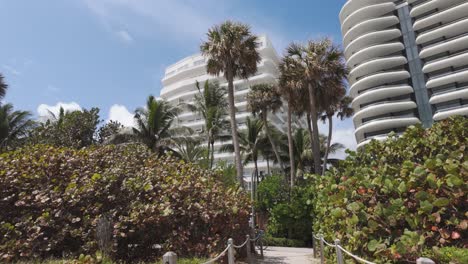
(408, 62)
(179, 87)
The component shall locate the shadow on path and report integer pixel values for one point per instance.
(284, 255)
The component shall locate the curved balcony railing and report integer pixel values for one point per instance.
(390, 101)
(387, 118)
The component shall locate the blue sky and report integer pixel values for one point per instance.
(112, 53)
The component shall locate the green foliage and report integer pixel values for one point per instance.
(447, 255)
(289, 212)
(283, 242)
(393, 199)
(75, 129)
(227, 174)
(109, 131)
(52, 198)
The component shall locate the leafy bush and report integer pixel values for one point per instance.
(51, 200)
(290, 212)
(283, 242)
(447, 255)
(393, 199)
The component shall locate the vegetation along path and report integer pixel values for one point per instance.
(287, 255)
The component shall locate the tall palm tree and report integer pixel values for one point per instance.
(3, 87)
(262, 99)
(231, 49)
(339, 106)
(288, 88)
(314, 63)
(14, 126)
(211, 104)
(154, 124)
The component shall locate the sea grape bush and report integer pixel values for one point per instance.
(396, 199)
(51, 200)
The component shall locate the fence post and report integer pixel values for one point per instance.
(314, 247)
(261, 243)
(424, 261)
(339, 254)
(322, 257)
(247, 246)
(170, 258)
(231, 251)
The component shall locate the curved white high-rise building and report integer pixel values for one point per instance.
(408, 63)
(179, 87)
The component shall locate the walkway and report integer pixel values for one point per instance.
(287, 255)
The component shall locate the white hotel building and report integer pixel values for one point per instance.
(179, 87)
(408, 63)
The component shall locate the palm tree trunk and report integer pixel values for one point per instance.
(315, 132)
(272, 142)
(291, 144)
(212, 154)
(309, 127)
(235, 137)
(327, 151)
(208, 154)
(256, 177)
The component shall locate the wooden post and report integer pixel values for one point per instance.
(261, 243)
(231, 251)
(249, 253)
(170, 258)
(424, 261)
(339, 254)
(322, 257)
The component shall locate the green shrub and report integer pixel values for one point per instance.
(289, 212)
(447, 255)
(283, 242)
(51, 200)
(393, 199)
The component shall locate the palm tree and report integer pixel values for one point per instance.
(14, 126)
(3, 87)
(315, 64)
(303, 152)
(262, 99)
(189, 148)
(211, 104)
(288, 88)
(154, 124)
(231, 49)
(339, 105)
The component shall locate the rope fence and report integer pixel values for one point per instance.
(171, 257)
(339, 252)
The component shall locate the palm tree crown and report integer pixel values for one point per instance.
(14, 125)
(3, 87)
(154, 124)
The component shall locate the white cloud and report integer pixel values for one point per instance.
(121, 114)
(43, 109)
(125, 36)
